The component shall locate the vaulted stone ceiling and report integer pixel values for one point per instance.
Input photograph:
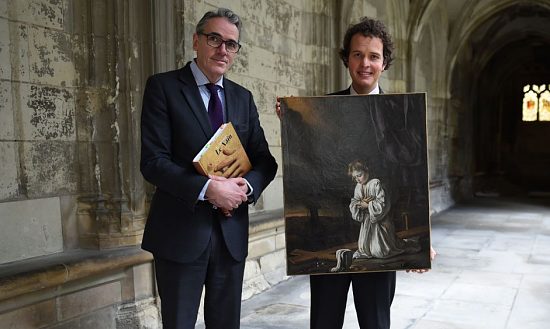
(508, 48)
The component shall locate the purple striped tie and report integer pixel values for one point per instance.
(215, 111)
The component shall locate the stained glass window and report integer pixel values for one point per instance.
(536, 103)
(544, 106)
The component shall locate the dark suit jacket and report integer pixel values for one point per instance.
(174, 127)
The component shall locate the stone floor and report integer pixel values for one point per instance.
(492, 271)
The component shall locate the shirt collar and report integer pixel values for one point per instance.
(375, 91)
(200, 78)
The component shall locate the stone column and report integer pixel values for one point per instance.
(140, 306)
(115, 38)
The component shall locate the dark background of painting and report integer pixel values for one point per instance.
(321, 136)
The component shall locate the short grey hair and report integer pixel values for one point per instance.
(221, 12)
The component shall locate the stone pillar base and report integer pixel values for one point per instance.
(142, 314)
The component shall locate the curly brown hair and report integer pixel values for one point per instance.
(369, 28)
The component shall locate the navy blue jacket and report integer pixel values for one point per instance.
(174, 127)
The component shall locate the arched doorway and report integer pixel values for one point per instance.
(508, 50)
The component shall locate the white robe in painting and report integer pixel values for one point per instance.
(377, 237)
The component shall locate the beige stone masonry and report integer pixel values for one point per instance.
(89, 300)
(30, 228)
(6, 108)
(5, 66)
(8, 162)
(22, 278)
(33, 316)
(40, 12)
(265, 265)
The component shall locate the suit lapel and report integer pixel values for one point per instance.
(192, 96)
(231, 106)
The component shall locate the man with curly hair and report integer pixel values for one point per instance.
(367, 52)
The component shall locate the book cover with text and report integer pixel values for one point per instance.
(222, 151)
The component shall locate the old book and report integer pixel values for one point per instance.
(217, 155)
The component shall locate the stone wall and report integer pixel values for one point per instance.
(83, 289)
(38, 80)
(71, 83)
(69, 141)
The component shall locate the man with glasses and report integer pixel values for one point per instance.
(197, 227)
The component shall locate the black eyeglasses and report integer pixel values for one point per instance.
(214, 40)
